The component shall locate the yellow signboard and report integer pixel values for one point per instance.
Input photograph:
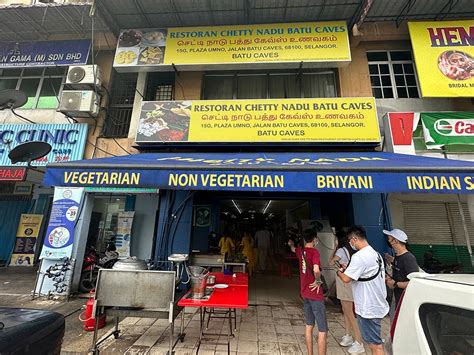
(26, 236)
(324, 120)
(273, 43)
(289, 42)
(444, 56)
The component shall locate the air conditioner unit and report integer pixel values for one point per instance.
(79, 76)
(79, 103)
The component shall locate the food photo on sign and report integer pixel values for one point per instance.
(166, 121)
(444, 57)
(140, 47)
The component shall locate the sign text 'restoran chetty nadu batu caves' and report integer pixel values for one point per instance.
(309, 42)
(67, 141)
(44, 53)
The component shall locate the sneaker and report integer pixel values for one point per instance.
(346, 340)
(356, 348)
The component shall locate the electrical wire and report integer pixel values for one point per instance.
(126, 151)
(22, 117)
(103, 151)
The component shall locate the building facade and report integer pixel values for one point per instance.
(152, 61)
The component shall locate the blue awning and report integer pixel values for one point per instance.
(291, 172)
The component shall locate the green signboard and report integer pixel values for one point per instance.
(447, 128)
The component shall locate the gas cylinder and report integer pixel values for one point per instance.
(86, 316)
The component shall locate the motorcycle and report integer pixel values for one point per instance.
(93, 262)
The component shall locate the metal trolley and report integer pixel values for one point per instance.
(136, 293)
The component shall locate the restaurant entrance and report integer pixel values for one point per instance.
(254, 228)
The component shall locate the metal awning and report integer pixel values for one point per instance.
(48, 21)
(290, 172)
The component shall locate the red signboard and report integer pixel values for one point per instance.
(12, 174)
(401, 124)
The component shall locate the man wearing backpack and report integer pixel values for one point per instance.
(367, 274)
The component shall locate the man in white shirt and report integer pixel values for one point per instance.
(367, 274)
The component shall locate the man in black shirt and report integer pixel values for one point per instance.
(403, 264)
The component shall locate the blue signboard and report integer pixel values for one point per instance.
(277, 172)
(68, 141)
(44, 53)
(59, 238)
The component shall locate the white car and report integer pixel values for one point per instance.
(435, 316)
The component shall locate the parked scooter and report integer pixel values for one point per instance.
(93, 261)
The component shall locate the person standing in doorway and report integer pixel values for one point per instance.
(366, 272)
(262, 238)
(247, 244)
(312, 291)
(341, 258)
(226, 245)
(403, 263)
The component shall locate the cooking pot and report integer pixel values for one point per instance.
(131, 263)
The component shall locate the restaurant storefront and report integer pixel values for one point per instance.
(242, 95)
(366, 177)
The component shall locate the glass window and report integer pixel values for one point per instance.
(252, 87)
(30, 88)
(319, 85)
(377, 56)
(41, 85)
(395, 72)
(10, 72)
(49, 95)
(6, 84)
(119, 113)
(218, 87)
(273, 84)
(448, 329)
(33, 72)
(284, 86)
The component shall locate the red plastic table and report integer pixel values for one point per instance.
(236, 296)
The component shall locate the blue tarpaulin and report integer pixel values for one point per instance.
(290, 172)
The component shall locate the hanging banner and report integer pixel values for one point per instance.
(327, 120)
(447, 128)
(124, 233)
(26, 236)
(444, 56)
(59, 238)
(264, 43)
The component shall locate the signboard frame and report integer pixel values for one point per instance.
(269, 122)
(44, 53)
(280, 45)
(443, 57)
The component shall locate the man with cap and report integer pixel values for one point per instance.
(403, 263)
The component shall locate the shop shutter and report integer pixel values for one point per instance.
(427, 223)
(10, 211)
(457, 223)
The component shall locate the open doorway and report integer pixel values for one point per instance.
(281, 216)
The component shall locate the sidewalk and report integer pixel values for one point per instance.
(273, 323)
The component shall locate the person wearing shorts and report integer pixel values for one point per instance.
(342, 256)
(312, 291)
(366, 272)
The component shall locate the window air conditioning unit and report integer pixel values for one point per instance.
(79, 103)
(79, 76)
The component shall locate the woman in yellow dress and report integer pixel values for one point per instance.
(226, 245)
(247, 250)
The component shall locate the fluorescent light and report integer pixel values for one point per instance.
(237, 207)
(266, 207)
